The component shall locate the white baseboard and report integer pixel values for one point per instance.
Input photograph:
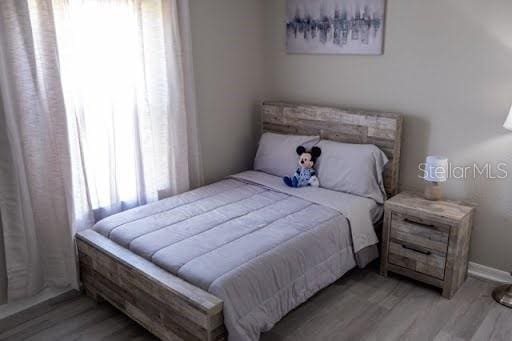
(43, 296)
(488, 273)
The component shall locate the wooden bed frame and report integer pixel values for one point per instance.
(173, 309)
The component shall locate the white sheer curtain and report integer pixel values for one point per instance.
(35, 201)
(122, 68)
(100, 116)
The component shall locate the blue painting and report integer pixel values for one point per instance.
(335, 26)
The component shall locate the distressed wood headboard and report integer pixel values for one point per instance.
(342, 125)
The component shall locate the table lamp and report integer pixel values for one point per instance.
(503, 294)
(436, 171)
(508, 121)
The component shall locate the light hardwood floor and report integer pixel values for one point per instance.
(360, 306)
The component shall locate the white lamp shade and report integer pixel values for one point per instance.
(508, 122)
(436, 169)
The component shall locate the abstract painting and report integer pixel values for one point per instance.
(335, 26)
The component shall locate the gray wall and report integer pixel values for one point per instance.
(227, 39)
(4, 159)
(448, 67)
(3, 270)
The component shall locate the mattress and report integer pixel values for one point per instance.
(263, 251)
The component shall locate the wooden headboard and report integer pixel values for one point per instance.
(343, 125)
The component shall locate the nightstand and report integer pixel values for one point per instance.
(427, 240)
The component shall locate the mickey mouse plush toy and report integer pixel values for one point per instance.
(305, 174)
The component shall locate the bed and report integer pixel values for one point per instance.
(237, 255)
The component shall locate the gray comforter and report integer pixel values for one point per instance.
(248, 241)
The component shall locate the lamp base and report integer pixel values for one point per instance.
(503, 295)
(433, 191)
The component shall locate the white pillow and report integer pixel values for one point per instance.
(352, 168)
(277, 153)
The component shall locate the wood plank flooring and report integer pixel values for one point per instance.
(360, 306)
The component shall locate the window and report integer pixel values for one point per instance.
(115, 82)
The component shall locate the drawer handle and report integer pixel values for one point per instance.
(426, 253)
(415, 222)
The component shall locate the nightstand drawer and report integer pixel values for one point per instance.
(424, 234)
(416, 258)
